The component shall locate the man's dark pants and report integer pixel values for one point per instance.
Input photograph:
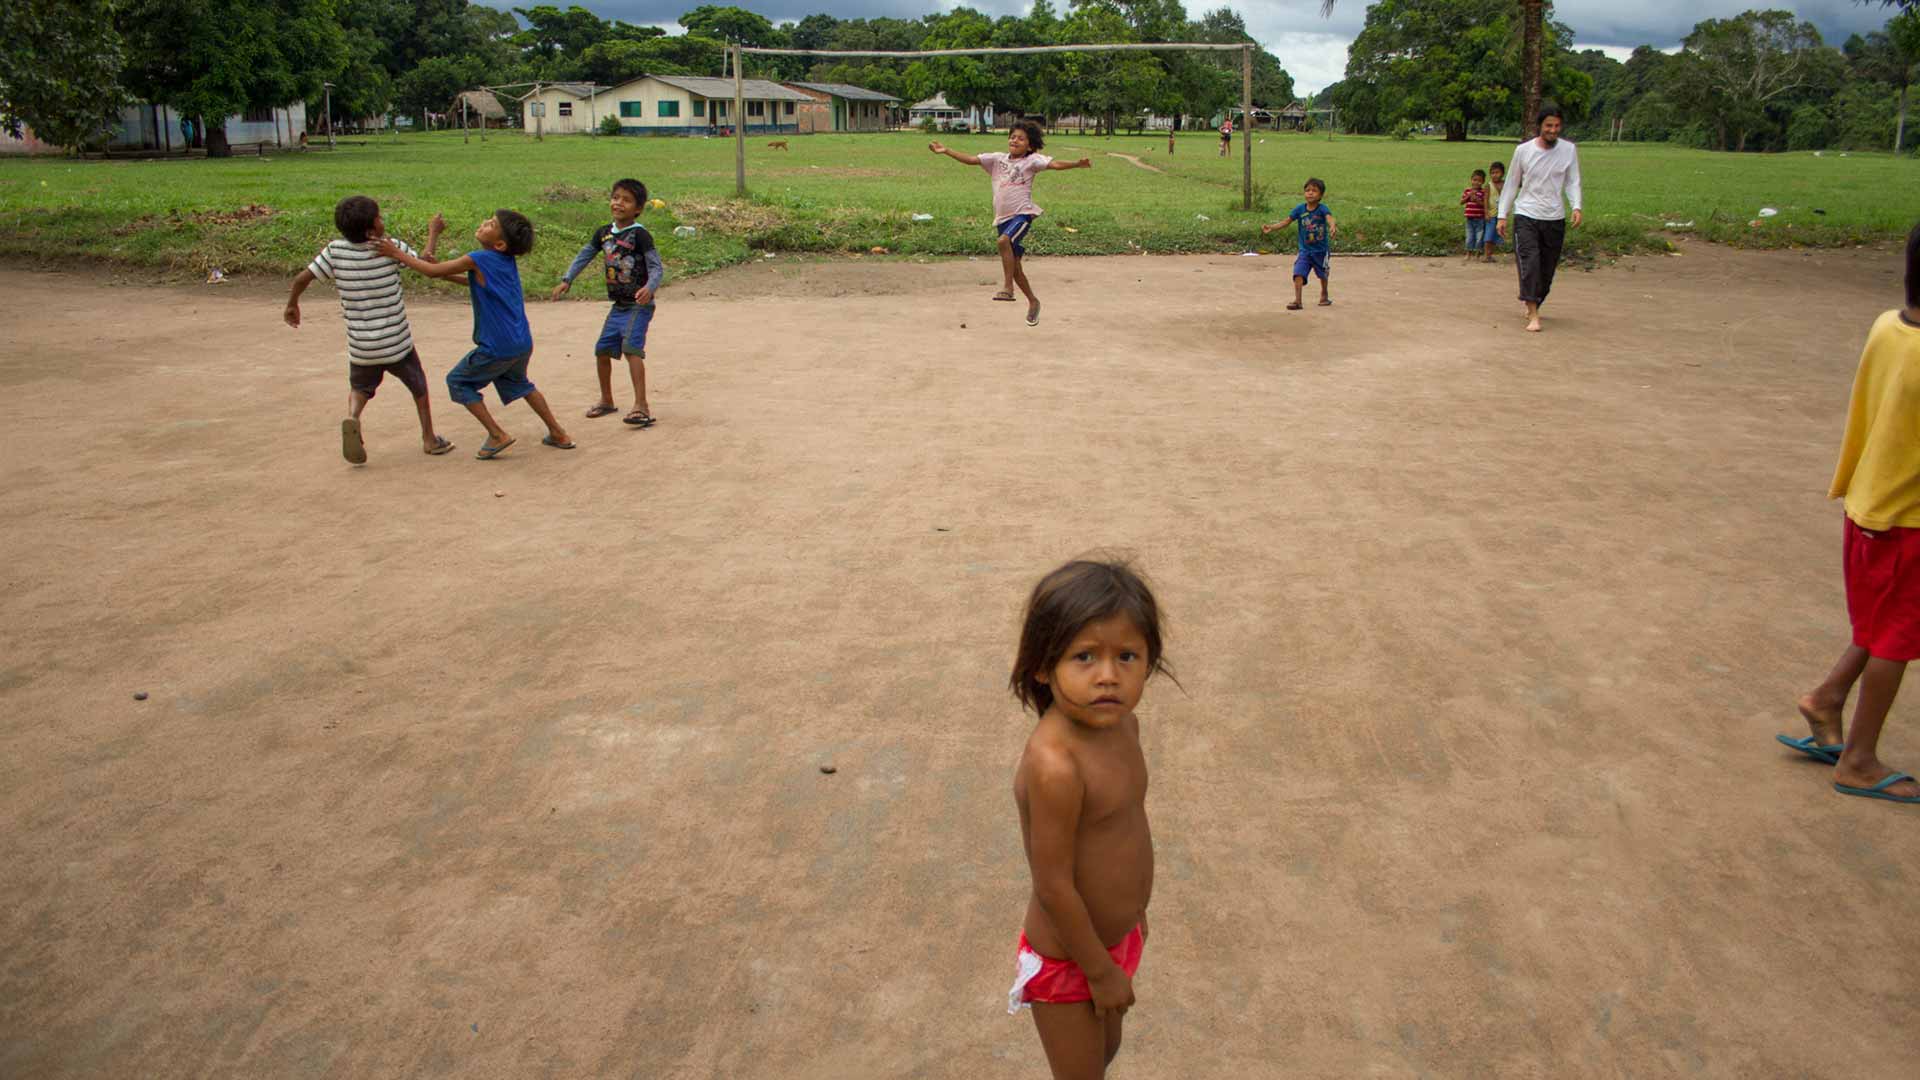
(1537, 246)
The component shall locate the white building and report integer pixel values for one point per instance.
(945, 116)
(665, 105)
(157, 127)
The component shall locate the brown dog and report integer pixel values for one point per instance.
(777, 144)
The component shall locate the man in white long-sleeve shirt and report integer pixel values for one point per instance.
(1543, 171)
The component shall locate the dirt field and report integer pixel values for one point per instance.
(511, 768)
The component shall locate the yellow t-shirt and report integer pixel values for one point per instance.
(1879, 473)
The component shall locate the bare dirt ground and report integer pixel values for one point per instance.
(511, 768)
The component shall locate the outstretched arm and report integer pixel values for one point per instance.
(450, 269)
(579, 263)
(1055, 793)
(964, 159)
(1083, 163)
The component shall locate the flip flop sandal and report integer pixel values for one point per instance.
(1326, 303)
(1007, 296)
(1033, 316)
(440, 446)
(350, 445)
(489, 452)
(1296, 307)
(602, 409)
(548, 440)
(1828, 754)
(1879, 790)
(639, 419)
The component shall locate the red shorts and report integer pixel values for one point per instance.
(1883, 590)
(1053, 982)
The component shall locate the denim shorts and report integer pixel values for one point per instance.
(1015, 230)
(1310, 262)
(625, 331)
(1477, 230)
(477, 370)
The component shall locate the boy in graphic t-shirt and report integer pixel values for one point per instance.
(634, 273)
(1317, 229)
(502, 341)
(379, 341)
(1013, 206)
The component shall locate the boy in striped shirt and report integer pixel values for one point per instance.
(379, 342)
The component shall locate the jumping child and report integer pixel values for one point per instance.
(1879, 477)
(631, 256)
(1013, 206)
(502, 341)
(1317, 230)
(1090, 642)
(1474, 201)
(379, 341)
(1497, 176)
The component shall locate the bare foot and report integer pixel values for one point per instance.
(1823, 721)
(1533, 326)
(1871, 774)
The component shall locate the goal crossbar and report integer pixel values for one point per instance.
(740, 98)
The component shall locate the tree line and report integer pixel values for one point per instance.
(1762, 80)
(68, 66)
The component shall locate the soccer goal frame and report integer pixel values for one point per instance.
(740, 97)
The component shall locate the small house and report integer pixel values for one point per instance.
(699, 105)
(840, 107)
(566, 108)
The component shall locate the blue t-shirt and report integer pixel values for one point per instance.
(499, 313)
(1313, 227)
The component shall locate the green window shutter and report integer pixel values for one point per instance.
(631, 108)
(669, 108)
(699, 106)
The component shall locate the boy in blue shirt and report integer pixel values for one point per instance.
(1316, 240)
(502, 341)
(634, 273)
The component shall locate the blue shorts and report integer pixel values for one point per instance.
(1477, 231)
(1015, 229)
(1492, 236)
(625, 331)
(1314, 261)
(476, 370)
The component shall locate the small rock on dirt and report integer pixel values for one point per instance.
(828, 769)
(499, 494)
(139, 695)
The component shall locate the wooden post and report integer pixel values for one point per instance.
(593, 116)
(1246, 134)
(739, 128)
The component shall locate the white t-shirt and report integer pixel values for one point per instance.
(369, 287)
(1536, 179)
(1013, 183)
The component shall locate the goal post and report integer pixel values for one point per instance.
(1246, 87)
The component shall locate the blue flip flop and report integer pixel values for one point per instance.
(1828, 754)
(1879, 790)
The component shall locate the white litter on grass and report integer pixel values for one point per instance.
(685, 230)
(216, 275)
(1768, 211)
(923, 217)
(1819, 153)
(1391, 246)
(1201, 217)
(1249, 254)
(1679, 224)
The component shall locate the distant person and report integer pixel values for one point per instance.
(502, 342)
(379, 340)
(1545, 171)
(1169, 140)
(1317, 229)
(1226, 136)
(1014, 210)
(1088, 644)
(1879, 477)
(1496, 178)
(1474, 202)
(634, 273)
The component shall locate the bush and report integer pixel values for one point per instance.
(1809, 129)
(1404, 130)
(610, 125)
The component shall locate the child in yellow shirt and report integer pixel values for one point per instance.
(1879, 477)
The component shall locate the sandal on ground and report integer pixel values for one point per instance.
(1811, 748)
(350, 445)
(1879, 790)
(440, 445)
(1324, 302)
(1033, 315)
(1296, 306)
(548, 440)
(602, 409)
(639, 418)
(1007, 296)
(490, 451)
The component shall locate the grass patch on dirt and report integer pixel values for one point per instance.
(851, 193)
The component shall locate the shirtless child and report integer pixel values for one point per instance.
(1091, 640)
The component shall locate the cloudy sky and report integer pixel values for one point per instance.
(1313, 49)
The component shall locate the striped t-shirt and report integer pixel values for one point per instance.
(369, 287)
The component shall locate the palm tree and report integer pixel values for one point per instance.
(1533, 32)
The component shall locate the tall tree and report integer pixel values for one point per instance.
(60, 66)
(1731, 70)
(1533, 14)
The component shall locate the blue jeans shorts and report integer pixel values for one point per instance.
(477, 370)
(625, 331)
(1310, 262)
(1015, 229)
(1477, 230)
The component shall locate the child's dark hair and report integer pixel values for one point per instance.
(1062, 605)
(1913, 268)
(1035, 137)
(1501, 165)
(354, 217)
(634, 188)
(1479, 174)
(1316, 182)
(516, 230)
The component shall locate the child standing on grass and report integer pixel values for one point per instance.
(1317, 229)
(1013, 207)
(1497, 176)
(1474, 201)
(634, 273)
(502, 341)
(1879, 477)
(1089, 643)
(379, 341)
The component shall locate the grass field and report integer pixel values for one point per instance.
(853, 193)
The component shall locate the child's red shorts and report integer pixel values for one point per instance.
(1883, 590)
(1051, 982)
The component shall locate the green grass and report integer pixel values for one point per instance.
(855, 192)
